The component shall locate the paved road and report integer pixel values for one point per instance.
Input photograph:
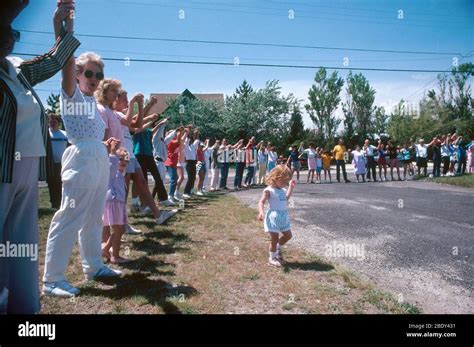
(413, 238)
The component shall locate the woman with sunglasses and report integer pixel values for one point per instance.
(25, 151)
(85, 174)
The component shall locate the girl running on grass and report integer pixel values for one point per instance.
(276, 219)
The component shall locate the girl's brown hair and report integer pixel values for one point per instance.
(278, 173)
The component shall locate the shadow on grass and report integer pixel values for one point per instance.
(308, 266)
(155, 291)
(145, 264)
(168, 234)
(150, 246)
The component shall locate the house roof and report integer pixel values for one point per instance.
(162, 99)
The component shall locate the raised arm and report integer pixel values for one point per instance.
(161, 123)
(290, 189)
(301, 148)
(128, 120)
(59, 57)
(206, 146)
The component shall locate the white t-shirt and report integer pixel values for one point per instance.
(28, 139)
(272, 156)
(190, 149)
(310, 152)
(262, 156)
(58, 143)
(369, 151)
(81, 117)
(421, 151)
(277, 200)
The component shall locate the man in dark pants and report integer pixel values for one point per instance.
(239, 168)
(192, 143)
(462, 157)
(437, 158)
(143, 150)
(58, 146)
(338, 153)
(371, 164)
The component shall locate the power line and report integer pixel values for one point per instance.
(366, 10)
(254, 64)
(243, 58)
(236, 43)
(283, 13)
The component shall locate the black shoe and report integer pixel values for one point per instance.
(347, 181)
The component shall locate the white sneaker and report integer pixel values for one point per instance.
(145, 211)
(61, 288)
(274, 262)
(167, 202)
(200, 193)
(104, 272)
(186, 196)
(164, 216)
(131, 230)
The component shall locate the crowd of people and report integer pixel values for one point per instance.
(450, 152)
(109, 141)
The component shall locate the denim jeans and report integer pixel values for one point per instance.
(250, 172)
(437, 167)
(224, 174)
(173, 173)
(239, 173)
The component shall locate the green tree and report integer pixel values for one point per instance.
(203, 114)
(324, 99)
(262, 113)
(380, 121)
(362, 97)
(297, 132)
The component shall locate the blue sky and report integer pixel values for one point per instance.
(434, 26)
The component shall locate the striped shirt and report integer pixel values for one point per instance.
(30, 73)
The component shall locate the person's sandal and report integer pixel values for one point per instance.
(119, 260)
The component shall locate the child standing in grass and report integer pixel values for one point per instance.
(276, 219)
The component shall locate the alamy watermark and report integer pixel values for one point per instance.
(20, 250)
(78, 108)
(345, 250)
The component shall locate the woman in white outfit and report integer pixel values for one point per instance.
(85, 171)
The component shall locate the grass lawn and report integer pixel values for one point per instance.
(463, 181)
(211, 258)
